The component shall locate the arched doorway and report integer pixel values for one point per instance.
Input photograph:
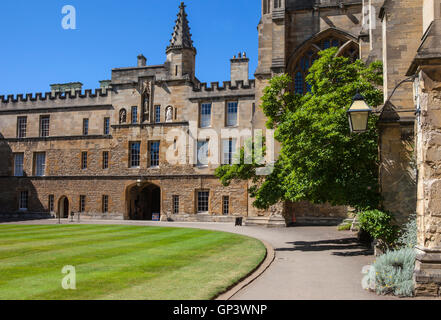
(144, 202)
(63, 207)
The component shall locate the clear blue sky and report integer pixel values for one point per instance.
(36, 51)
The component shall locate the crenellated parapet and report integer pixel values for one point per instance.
(88, 97)
(227, 86)
(227, 90)
(310, 4)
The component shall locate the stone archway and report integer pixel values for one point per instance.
(63, 207)
(144, 202)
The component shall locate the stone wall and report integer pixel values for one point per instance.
(371, 42)
(397, 170)
(428, 266)
(301, 25)
(117, 189)
(305, 213)
(401, 24)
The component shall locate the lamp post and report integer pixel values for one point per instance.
(358, 114)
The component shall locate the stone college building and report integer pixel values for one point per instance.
(145, 145)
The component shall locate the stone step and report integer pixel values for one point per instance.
(318, 221)
(23, 216)
(199, 218)
(346, 221)
(269, 222)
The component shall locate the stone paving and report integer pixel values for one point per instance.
(311, 262)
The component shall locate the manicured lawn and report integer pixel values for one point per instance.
(122, 262)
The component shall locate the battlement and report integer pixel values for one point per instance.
(51, 96)
(227, 86)
(310, 4)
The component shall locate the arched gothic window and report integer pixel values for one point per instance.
(349, 50)
(302, 70)
(330, 42)
(306, 55)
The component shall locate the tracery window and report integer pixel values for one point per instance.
(302, 70)
(351, 51)
(303, 63)
(330, 42)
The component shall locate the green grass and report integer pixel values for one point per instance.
(344, 227)
(122, 262)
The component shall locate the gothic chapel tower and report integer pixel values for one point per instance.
(181, 54)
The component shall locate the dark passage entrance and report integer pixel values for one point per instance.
(63, 207)
(145, 201)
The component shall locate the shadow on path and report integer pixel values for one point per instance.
(347, 247)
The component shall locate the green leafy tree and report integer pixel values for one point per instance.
(320, 160)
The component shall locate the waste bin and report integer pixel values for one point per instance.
(239, 222)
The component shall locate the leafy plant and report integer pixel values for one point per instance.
(345, 227)
(380, 226)
(409, 238)
(393, 273)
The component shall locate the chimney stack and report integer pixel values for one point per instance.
(142, 61)
(240, 68)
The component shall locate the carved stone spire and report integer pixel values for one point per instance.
(181, 37)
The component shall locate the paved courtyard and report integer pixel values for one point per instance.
(310, 263)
